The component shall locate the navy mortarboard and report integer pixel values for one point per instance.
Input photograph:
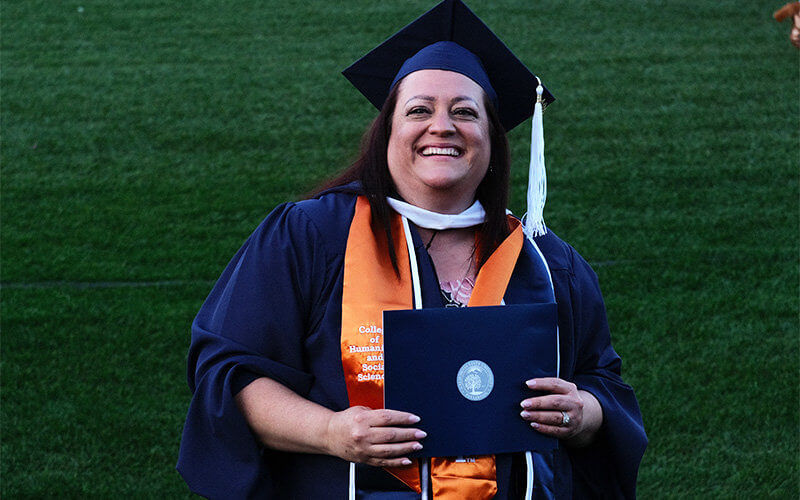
(451, 37)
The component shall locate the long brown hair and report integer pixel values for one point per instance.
(371, 169)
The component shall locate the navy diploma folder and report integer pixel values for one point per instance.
(463, 372)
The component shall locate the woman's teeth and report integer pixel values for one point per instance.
(431, 151)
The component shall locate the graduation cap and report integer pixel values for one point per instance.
(451, 37)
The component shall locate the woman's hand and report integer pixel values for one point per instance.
(284, 420)
(565, 412)
(373, 437)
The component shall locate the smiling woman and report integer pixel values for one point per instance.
(286, 362)
(439, 148)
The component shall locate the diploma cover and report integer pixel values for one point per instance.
(463, 372)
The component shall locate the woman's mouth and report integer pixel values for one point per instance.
(437, 151)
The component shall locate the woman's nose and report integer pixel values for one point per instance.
(441, 124)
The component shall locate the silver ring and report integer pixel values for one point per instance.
(564, 419)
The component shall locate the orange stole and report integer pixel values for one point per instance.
(371, 287)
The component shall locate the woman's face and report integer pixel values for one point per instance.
(439, 147)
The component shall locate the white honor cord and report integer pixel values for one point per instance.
(412, 257)
(351, 492)
(528, 476)
(553, 288)
(528, 455)
(424, 479)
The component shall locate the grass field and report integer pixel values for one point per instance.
(142, 141)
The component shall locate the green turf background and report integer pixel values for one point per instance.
(142, 141)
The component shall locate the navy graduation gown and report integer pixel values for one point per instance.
(276, 312)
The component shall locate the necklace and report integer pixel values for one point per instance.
(430, 241)
(456, 292)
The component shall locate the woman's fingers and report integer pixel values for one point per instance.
(552, 418)
(395, 435)
(562, 395)
(381, 426)
(551, 384)
(558, 412)
(551, 402)
(388, 462)
(386, 418)
(391, 455)
(556, 431)
(560, 424)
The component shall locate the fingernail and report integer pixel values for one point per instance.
(524, 414)
(413, 419)
(526, 405)
(534, 425)
(530, 383)
(416, 446)
(420, 434)
(406, 461)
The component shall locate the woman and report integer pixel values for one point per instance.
(278, 409)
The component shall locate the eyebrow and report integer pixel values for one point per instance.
(431, 99)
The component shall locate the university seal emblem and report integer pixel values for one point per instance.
(475, 380)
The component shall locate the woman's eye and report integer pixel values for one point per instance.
(466, 112)
(419, 110)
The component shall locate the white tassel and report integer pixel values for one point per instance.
(537, 178)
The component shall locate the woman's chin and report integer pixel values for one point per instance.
(443, 179)
(442, 195)
(441, 187)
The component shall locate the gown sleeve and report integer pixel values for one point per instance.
(251, 325)
(609, 466)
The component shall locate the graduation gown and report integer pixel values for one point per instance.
(276, 312)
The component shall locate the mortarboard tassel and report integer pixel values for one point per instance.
(537, 178)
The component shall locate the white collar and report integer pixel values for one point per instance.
(472, 216)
